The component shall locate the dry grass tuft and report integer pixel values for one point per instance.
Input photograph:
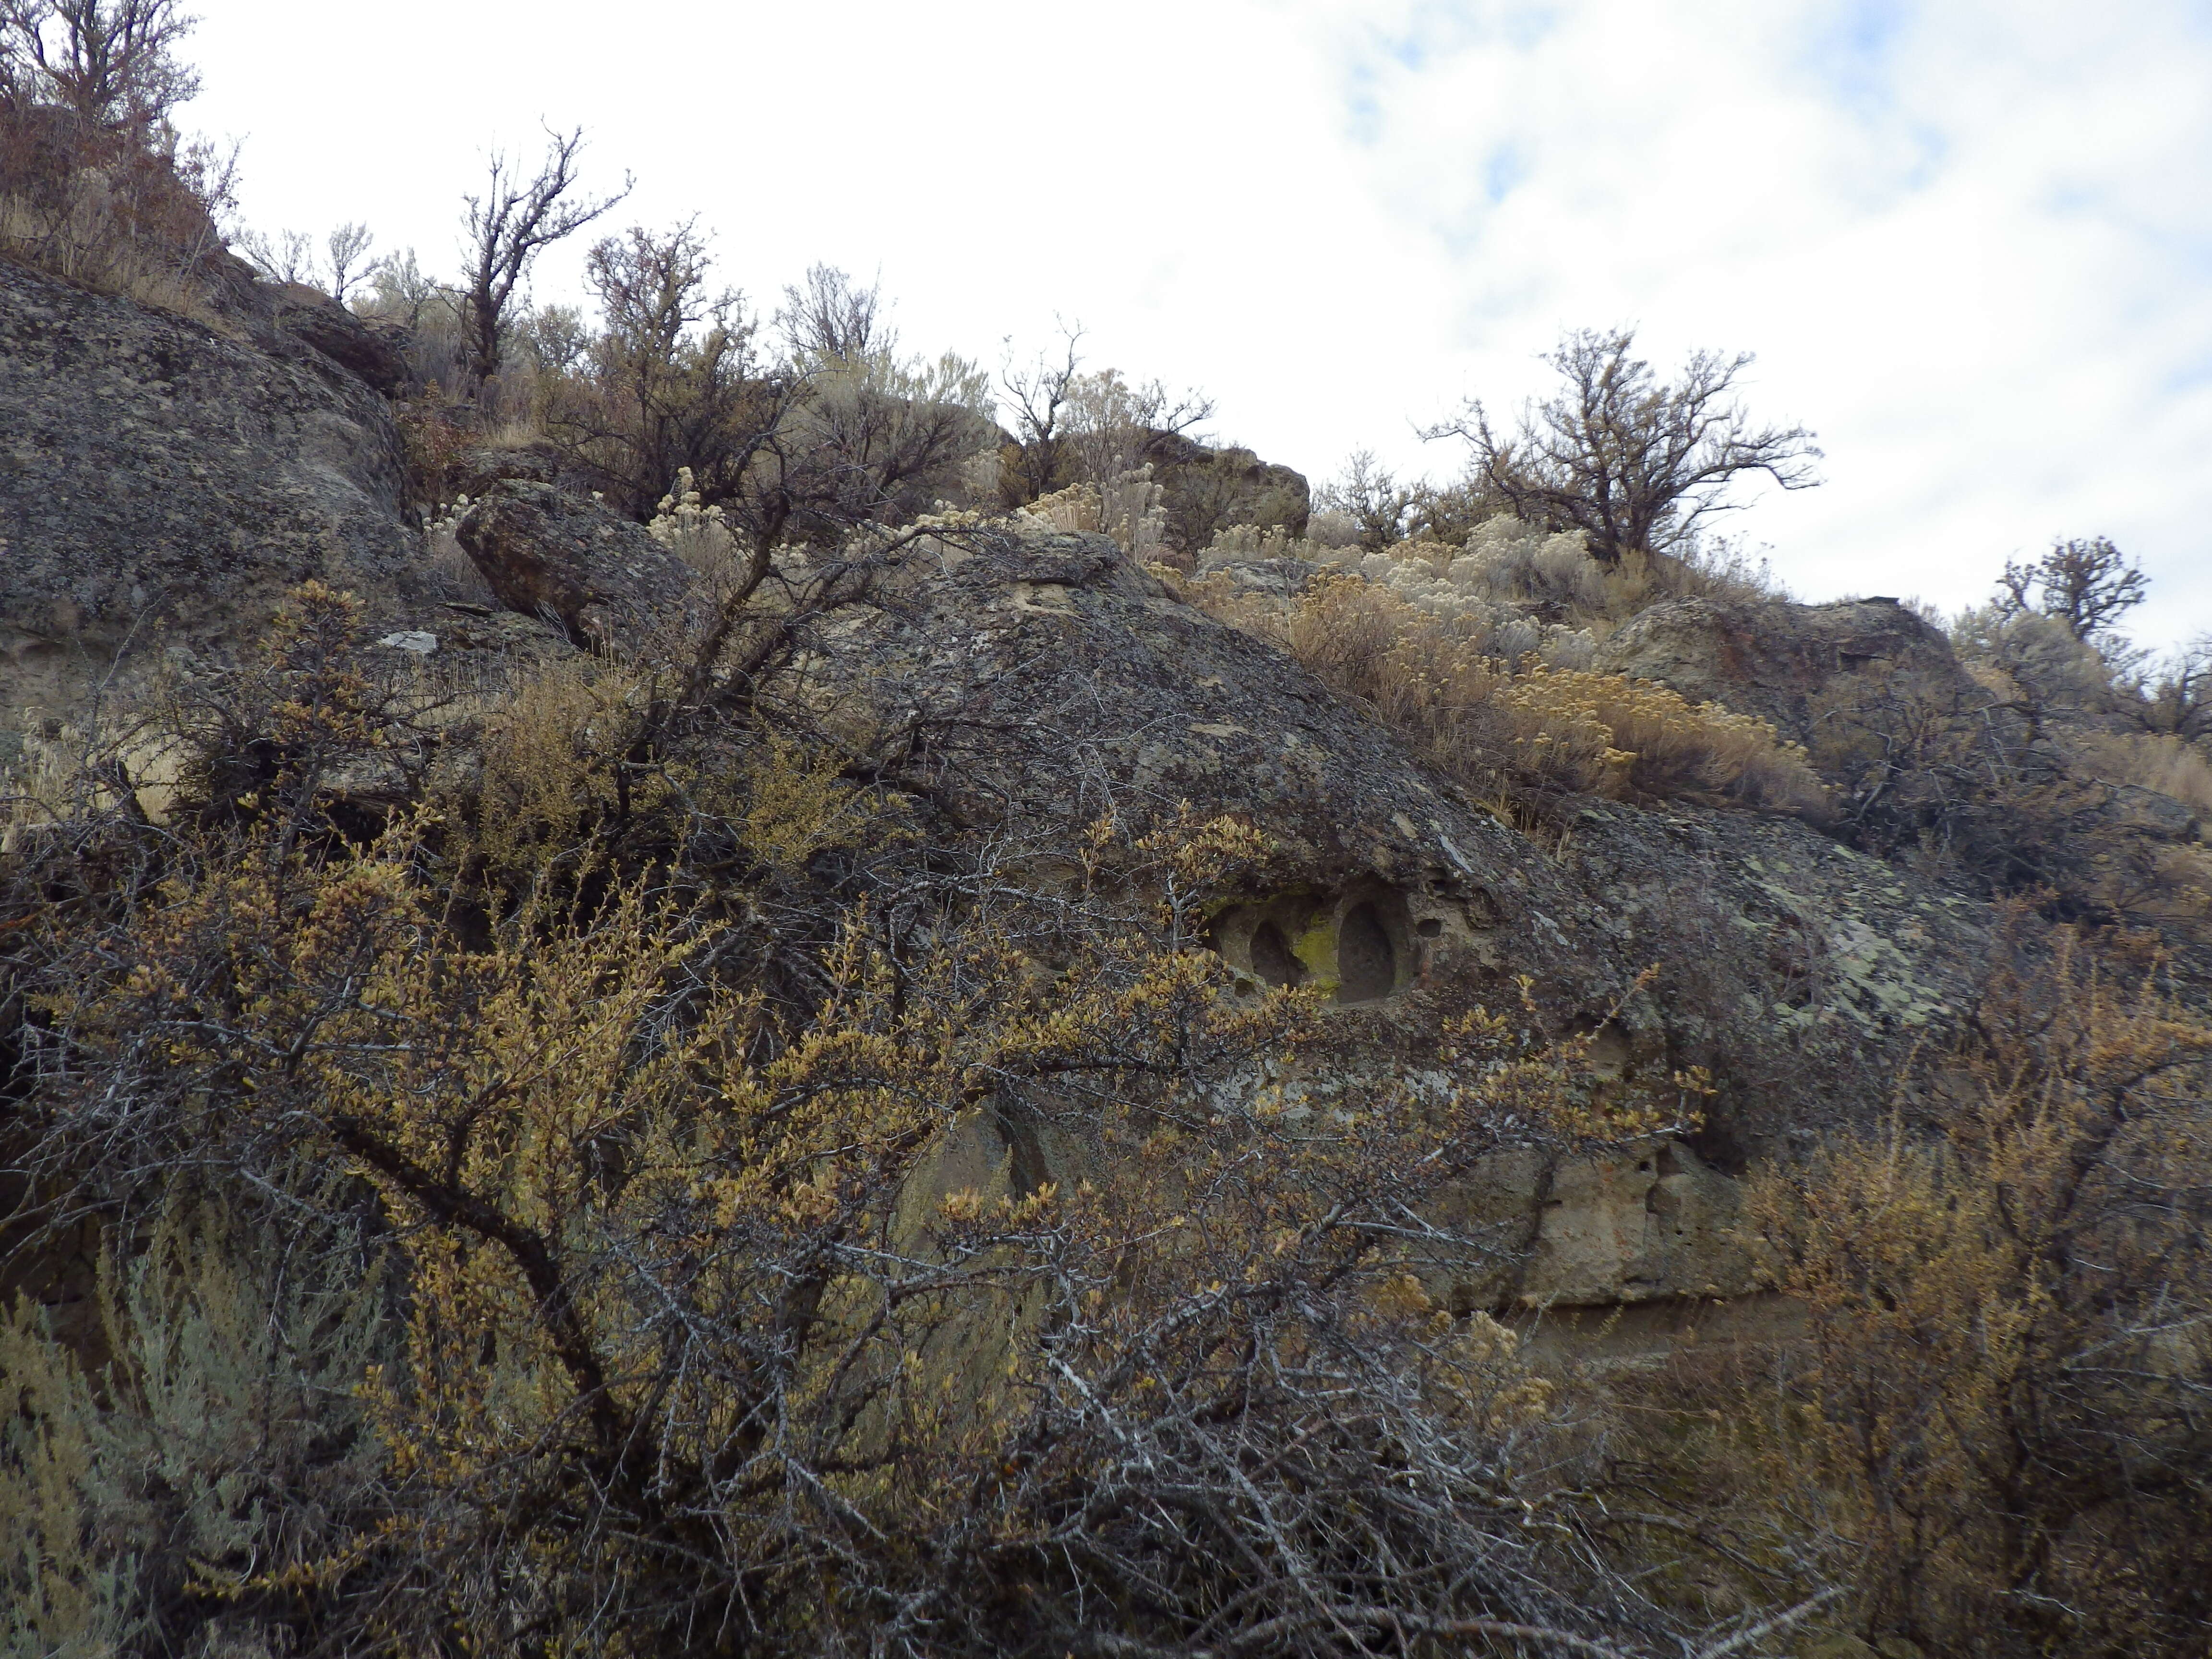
(116, 212)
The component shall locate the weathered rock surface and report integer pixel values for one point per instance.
(1798, 971)
(1781, 661)
(547, 552)
(281, 315)
(1037, 682)
(482, 471)
(161, 487)
(164, 486)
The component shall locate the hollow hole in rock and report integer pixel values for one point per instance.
(1271, 956)
(1430, 928)
(1366, 960)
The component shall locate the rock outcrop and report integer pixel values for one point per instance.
(291, 319)
(163, 486)
(1204, 489)
(1030, 683)
(1781, 661)
(481, 470)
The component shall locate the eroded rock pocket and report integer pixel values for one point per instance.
(1360, 944)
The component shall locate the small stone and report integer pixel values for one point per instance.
(411, 638)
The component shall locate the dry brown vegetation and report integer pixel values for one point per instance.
(1994, 1429)
(601, 1100)
(2160, 761)
(96, 186)
(593, 1197)
(2024, 778)
(107, 212)
(1508, 723)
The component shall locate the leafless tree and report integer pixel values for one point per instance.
(2177, 697)
(1037, 397)
(110, 62)
(651, 288)
(290, 256)
(2086, 584)
(287, 256)
(829, 317)
(349, 247)
(1370, 495)
(508, 226)
(670, 381)
(1634, 464)
(1114, 426)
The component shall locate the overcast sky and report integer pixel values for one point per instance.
(1971, 240)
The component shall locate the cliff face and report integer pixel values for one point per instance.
(1036, 682)
(165, 486)
(161, 486)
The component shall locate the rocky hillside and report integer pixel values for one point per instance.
(936, 916)
(1027, 685)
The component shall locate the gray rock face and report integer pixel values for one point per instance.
(1798, 972)
(302, 324)
(481, 470)
(163, 487)
(1041, 681)
(314, 320)
(1052, 680)
(546, 552)
(1777, 660)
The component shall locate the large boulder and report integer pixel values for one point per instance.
(371, 354)
(300, 323)
(546, 552)
(163, 486)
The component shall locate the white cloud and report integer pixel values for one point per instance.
(1971, 240)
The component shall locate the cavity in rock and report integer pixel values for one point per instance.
(1366, 962)
(1271, 956)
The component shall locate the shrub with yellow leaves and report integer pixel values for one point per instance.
(686, 1358)
(1631, 737)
